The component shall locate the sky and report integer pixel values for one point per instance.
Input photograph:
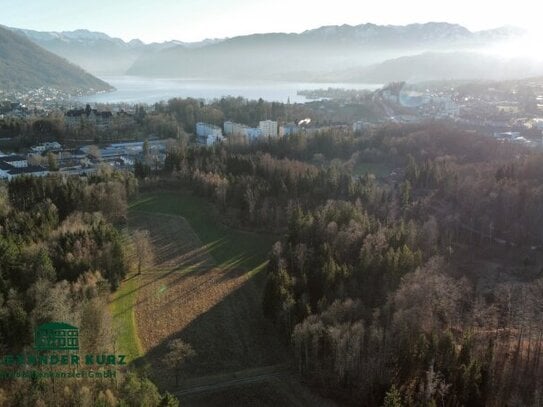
(194, 20)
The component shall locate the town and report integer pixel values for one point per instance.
(50, 156)
(508, 111)
(511, 110)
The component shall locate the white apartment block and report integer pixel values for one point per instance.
(268, 128)
(208, 134)
(206, 129)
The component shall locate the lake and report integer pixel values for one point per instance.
(132, 89)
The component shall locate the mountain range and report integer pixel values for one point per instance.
(97, 52)
(314, 52)
(26, 66)
(360, 53)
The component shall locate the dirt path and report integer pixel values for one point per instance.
(219, 382)
(275, 385)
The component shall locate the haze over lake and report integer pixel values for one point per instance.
(133, 89)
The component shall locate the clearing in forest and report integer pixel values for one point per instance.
(205, 287)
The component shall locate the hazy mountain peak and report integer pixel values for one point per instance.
(136, 43)
(83, 34)
(418, 34)
(505, 32)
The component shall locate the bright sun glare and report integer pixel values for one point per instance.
(527, 46)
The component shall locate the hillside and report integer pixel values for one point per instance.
(432, 66)
(26, 66)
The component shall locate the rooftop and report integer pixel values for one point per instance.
(86, 112)
(207, 125)
(12, 158)
(27, 170)
(5, 166)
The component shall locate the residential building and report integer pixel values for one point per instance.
(124, 119)
(288, 129)
(210, 139)
(358, 125)
(208, 134)
(228, 127)
(4, 170)
(237, 129)
(507, 135)
(252, 132)
(233, 128)
(16, 161)
(33, 170)
(268, 128)
(47, 146)
(77, 117)
(537, 123)
(12, 166)
(206, 129)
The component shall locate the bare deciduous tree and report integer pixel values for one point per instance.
(178, 353)
(144, 249)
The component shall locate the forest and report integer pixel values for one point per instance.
(422, 286)
(61, 254)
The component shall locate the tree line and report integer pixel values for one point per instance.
(61, 255)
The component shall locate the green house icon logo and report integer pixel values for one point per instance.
(56, 336)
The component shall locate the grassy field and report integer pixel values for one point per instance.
(205, 287)
(122, 309)
(226, 246)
